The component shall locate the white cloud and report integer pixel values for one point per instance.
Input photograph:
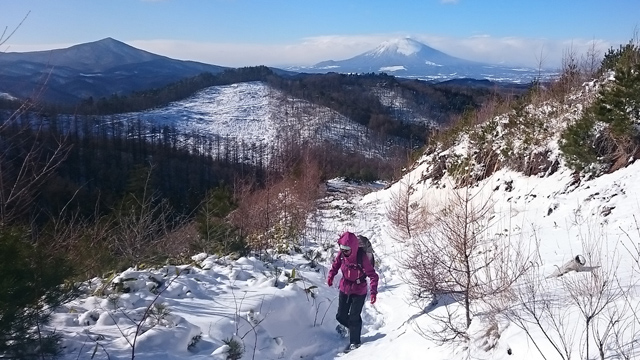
(307, 51)
(33, 47)
(531, 52)
(484, 48)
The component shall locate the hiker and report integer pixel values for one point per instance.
(356, 266)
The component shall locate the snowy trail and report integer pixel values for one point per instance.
(388, 331)
(549, 212)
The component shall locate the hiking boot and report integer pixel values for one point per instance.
(351, 347)
(342, 330)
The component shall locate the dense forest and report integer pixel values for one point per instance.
(100, 162)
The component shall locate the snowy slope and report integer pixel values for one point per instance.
(212, 300)
(548, 210)
(254, 113)
(220, 298)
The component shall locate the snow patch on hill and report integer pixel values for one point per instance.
(391, 68)
(256, 116)
(7, 96)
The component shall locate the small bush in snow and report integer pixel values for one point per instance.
(159, 313)
(291, 277)
(236, 349)
(314, 257)
(194, 342)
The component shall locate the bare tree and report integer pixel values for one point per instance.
(569, 74)
(532, 306)
(595, 291)
(590, 62)
(276, 215)
(28, 157)
(461, 264)
(140, 222)
(549, 304)
(625, 318)
(404, 213)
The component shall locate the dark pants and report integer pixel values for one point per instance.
(349, 308)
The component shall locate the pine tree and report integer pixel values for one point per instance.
(619, 103)
(216, 234)
(31, 284)
(616, 111)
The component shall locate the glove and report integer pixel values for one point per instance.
(373, 299)
(330, 281)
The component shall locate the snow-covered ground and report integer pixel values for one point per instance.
(276, 318)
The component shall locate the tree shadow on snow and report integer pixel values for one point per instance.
(373, 337)
(387, 287)
(438, 301)
(441, 300)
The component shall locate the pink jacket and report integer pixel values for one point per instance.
(351, 270)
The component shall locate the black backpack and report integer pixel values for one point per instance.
(365, 245)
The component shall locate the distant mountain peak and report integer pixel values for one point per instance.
(402, 46)
(410, 58)
(108, 44)
(401, 56)
(108, 41)
(99, 68)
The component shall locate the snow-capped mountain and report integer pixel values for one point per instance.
(400, 54)
(409, 58)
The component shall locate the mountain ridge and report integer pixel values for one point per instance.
(93, 56)
(96, 69)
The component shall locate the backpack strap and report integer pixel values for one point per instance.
(359, 258)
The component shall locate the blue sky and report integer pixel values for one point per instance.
(299, 32)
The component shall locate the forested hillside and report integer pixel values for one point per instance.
(363, 98)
